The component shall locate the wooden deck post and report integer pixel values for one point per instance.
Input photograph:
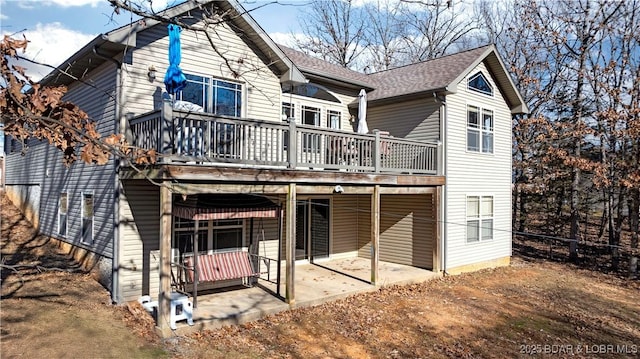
(375, 233)
(436, 229)
(166, 130)
(164, 295)
(292, 151)
(290, 245)
(375, 151)
(196, 260)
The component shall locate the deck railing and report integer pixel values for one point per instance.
(207, 139)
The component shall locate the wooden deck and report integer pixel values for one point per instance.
(207, 140)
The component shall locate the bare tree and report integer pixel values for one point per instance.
(334, 30)
(575, 63)
(32, 111)
(435, 29)
(386, 27)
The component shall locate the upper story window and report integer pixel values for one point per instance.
(333, 119)
(288, 111)
(311, 115)
(479, 83)
(479, 129)
(213, 95)
(309, 90)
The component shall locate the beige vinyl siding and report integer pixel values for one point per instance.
(471, 173)
(42, 166)
(261, 87)
(406, 230)
(364, 225)
(345, 228)
(346, 96)
(416, 120)
(140, 240)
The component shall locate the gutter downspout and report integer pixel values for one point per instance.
(117, 187)
(443, 160)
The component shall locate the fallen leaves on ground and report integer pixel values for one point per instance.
(531, 306)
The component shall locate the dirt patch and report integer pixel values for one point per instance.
(532, 307)
(507, 312)
(51, 309)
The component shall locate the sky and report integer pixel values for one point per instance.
(58, 28)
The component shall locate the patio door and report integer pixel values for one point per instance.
(312, 229)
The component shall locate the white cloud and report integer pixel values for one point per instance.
(31, 4)
(51, 44)
(72, 3)
(285, 38)
(3, 17)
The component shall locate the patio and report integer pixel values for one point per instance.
(315, 283)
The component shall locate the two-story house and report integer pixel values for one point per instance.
(260, 154)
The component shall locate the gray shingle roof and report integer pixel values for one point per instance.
(318, 67)
(415, 78)
(421, 78)
(424, 76)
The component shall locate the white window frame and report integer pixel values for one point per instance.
(330, 123)
(210, 82)
(82, 217)
(66, 214)
(288, 111)
(311, 109)
(480, 129)
(210, 227)
(482, 218)
(478, 91)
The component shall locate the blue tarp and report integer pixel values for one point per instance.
(174, 79)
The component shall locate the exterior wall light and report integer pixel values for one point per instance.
(152, 73)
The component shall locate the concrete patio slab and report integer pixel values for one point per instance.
(315, 283)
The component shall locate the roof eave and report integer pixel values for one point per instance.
(517, 106)
(85, 58)
(337, 80)
(521, 109)
(290, 72)
(406, 97)
(125, 36)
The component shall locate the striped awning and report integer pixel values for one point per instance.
(225, 206)
(221, 266)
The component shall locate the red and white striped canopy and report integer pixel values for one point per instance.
(224, 206)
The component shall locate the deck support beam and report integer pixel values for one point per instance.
(164, 295)
(375, 233)
(290, 245)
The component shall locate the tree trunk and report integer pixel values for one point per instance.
(523, 213)
(514, 208)
(634, 219)
(575, 215)
(603, 219)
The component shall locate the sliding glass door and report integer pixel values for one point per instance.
(312, 229)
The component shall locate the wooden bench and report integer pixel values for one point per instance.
(221, 266)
